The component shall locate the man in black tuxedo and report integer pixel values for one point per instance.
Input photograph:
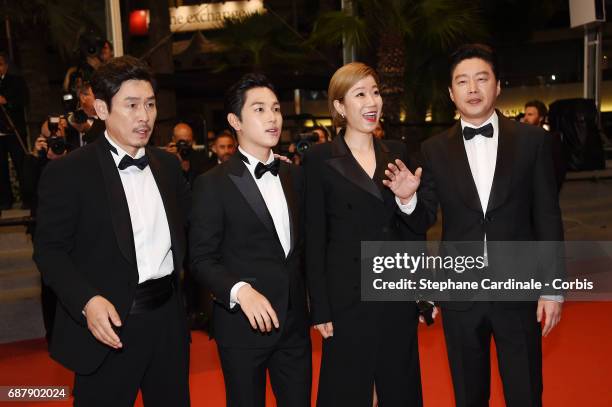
(246, 246)
(494, 180)
(13, 97)
(111, 243)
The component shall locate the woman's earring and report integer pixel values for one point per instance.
(342, 115)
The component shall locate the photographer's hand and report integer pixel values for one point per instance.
(39, 145)
(171, 148)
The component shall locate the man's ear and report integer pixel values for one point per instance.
(450, 93)
(234, 121)
(101, 109)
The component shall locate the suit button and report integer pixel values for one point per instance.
(356, 259)
(356, 287)
(385, 229)
(349, 206)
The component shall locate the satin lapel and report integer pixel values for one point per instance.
(287, 183)
(343, 162)
(168, 196)
(119, 210)
(461, 169)
(384, 156)
(506, 151)
(245, 183)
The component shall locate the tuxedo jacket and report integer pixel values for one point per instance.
(232, 238)
(84, 244)
(523, 204)
(344, 207)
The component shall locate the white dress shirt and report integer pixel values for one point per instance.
(148, 216)
(482, 156)
(271, 190)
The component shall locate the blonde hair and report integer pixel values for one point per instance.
(342, 80)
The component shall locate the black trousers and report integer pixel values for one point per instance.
(518, 341)
(154, 358)
(289, 364)
(373, 343)
(10, 145)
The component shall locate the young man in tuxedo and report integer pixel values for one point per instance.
(246, 247)
(110, 243)
(494, 181)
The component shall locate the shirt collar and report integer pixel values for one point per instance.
(254, 161)
(117, 156)
(493, 120)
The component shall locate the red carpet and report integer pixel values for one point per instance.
(577, 365)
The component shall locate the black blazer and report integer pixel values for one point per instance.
(84, 243)
(344, 206)
(232, 238)
(523, 204)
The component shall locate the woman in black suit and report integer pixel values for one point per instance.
(358, 189)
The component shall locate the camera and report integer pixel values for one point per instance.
(57, 144)
(303, 141)
(184, 149)
(69, 102)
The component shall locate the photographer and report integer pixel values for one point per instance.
(303, 141)
(193, 162)
(50, 145)
(13, 96)
(84, 125)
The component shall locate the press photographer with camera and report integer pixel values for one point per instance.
(84, 125)
(193, 162)
(303, 141)
(13, 97)
(50, 145)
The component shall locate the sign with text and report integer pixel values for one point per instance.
(210, 16)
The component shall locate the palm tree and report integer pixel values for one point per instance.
(409, 36)
(258, 40)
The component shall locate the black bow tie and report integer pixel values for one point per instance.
(262, 168)
(470, 132)
(128, 161)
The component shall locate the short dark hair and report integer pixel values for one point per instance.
(469, 51)
(108, 78)
(223, 135)
(539, 105)
(235, 97)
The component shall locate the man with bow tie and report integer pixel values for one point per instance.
(111, 244)
(246, 247)
(494, 181)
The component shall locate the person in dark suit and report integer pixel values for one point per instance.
(535, 114)
(111, 243)
(494, 181)
(246, 247)
(349, 200)
(13, 97)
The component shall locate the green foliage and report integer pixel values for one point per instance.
(258, 40)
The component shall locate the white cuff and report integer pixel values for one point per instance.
(557, 298)
(409, 207)
(234, 293)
